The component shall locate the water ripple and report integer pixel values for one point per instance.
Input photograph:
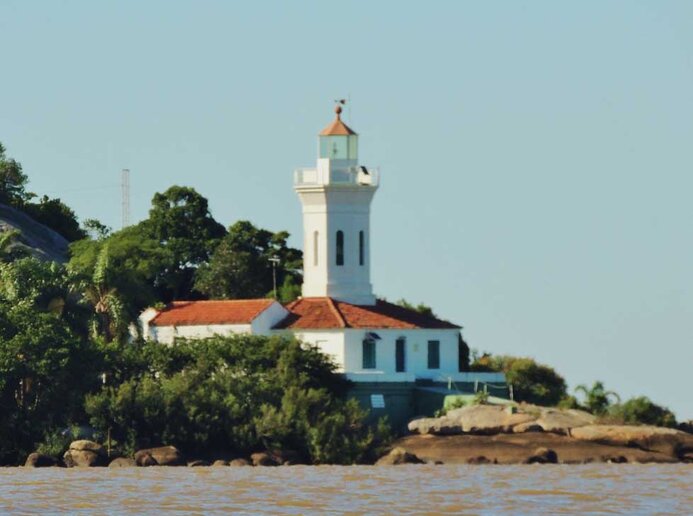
(588, 489)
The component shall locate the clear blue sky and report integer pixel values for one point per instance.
(537, 157)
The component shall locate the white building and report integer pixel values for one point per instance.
(383, 347)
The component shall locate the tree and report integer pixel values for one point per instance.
(421, 308)
(182, 224)
(111, 320)
(12, 180)
(46, 362)
(123, 267)
(532, 382)
(234, 395)
(241, 265)
(56, 215)
(597, 398)
(642, 410)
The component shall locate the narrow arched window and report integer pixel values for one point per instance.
(361, 248)
(400, 354)
(340, 248)
(315, 247)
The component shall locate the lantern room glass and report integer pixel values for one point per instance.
(339, 147)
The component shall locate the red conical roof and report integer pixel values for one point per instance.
(337, 127)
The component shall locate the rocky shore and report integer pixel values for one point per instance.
(479, 434)
(486, 434)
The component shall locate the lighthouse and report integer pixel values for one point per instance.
(336, 199)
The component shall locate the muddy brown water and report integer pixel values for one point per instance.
(548, 489)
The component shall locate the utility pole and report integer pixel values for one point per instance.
(275, 261)
(125, 197)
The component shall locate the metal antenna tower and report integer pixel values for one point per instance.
(125, 195)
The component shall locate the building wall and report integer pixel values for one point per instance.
(166, 334)
(330, 342)
(416, 355)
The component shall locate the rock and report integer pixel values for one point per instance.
(479, 460)
(239, 462)
(263, 459)
(562, 421)
(220, 462)
(531, 426)
(686, 426)
(145, 460)
(668, 441)
(198, 463)
(85, 454)
(38, 460)
(543, 456)
(487, 419)
(398, 456)
(122, 462)
(288, 457)
(38, 240)
(163, 456)
(614, 459)
(434, 425)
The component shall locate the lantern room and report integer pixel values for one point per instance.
(338, 141)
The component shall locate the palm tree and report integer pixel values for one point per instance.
(111, 320)
(597, 397)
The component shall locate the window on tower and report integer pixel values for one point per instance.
(340, 248)
(315, 247)
(361, 248)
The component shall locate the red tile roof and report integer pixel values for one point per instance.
(327, 313)
(194, 313)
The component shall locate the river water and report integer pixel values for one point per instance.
(548, 489)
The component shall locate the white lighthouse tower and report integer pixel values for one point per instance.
(336, 198)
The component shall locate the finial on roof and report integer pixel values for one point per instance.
(337, 127)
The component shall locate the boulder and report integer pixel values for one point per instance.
(543, 456)
(530, 426)
(263, 459)
(198, 463)
(487, 419)
(145, 459)
(162, 456)
(239, 462)
(434, 425)
(562, 421)
(122, 462)
(38, 460)
(668, 441)
(85, 454)
(220, 462)
(614, 459)
(288, 457)
(398, 456)
(479, 459)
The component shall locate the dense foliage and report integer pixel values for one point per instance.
(532, 382)
(642, 410)
(231, 395)
(241, 266)
(46, 361)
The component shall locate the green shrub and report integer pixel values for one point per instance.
(642, 410)
(234, 395)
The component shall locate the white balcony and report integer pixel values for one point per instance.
(352, 175)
